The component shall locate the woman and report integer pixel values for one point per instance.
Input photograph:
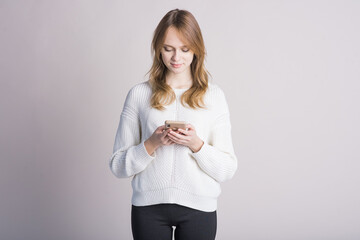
(176, 174)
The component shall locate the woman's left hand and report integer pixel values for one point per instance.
(187, 138)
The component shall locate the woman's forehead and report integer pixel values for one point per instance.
(174, 38)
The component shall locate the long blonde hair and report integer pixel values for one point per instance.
(162, 94)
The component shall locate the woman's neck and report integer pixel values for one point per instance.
(182, 80)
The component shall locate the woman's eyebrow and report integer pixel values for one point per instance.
(172, 46)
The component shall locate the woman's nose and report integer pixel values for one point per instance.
(176, 55)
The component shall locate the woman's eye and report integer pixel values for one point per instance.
(169, 50)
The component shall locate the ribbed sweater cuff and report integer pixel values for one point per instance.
(202, 153)
(143, 156)
(207, 160)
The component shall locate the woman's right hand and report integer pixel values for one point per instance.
(158, 138)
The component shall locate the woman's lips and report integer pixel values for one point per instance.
(176, 65)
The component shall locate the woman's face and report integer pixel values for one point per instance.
(175, 54)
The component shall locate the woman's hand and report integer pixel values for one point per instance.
(158, 138)
(187, 138)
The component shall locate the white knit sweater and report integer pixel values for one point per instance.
(173, 173)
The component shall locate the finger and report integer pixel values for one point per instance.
(183, 131)
(176, 136)
(168, 137)
(178, 141)
(169, 141)
(189, 126)
(173, 134)
(166, 132)
(166, 141)
(172, 138)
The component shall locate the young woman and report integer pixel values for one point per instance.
(176, 174)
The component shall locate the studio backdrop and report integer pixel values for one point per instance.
(289, 70)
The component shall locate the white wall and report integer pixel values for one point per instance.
(290, 71)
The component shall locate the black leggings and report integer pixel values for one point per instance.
(156, 222)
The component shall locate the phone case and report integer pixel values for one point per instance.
(175, 125)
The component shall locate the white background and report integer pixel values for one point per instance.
(290, 71)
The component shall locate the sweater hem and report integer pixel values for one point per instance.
(174, 195)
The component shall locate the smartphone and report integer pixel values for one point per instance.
(175, 125)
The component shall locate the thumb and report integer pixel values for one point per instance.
(161, 128)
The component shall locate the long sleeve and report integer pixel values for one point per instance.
(129, 153)
(216, 157)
